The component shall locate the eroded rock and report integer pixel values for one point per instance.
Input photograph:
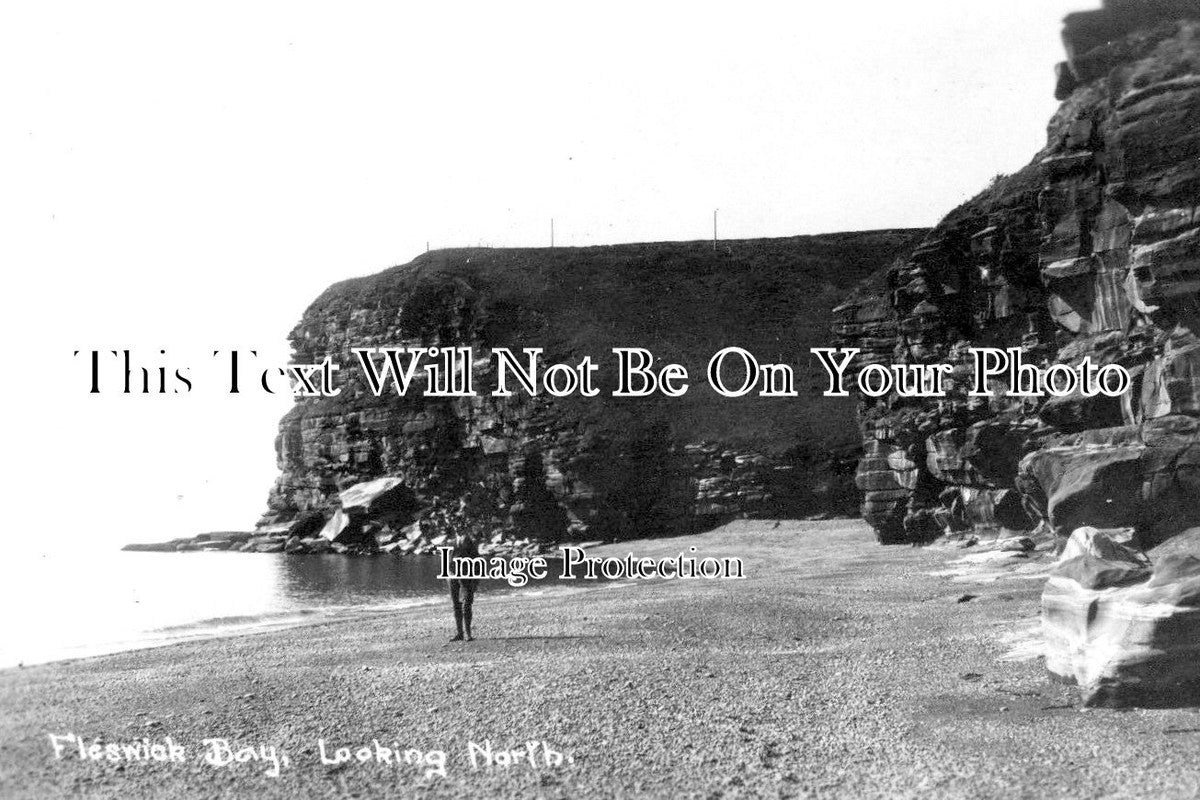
(1089, 253)
(1092, 251)
(553, 468)
(1122, 626)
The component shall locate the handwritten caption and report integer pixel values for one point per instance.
(273, 761)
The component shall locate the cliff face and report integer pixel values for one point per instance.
(575, 467)
(1092, 250)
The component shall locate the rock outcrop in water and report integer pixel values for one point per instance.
(1092, 250)
(573, 467)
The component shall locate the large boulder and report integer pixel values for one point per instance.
(376, 497)
(1124, 627)
(1143, 476)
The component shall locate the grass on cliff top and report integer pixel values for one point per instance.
(681, 300)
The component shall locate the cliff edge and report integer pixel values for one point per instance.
(1090, 251)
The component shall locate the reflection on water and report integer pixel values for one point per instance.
(341, 580)
(338, 580)
(58, 606)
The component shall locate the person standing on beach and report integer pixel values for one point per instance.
(462, 590)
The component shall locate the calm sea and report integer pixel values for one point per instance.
(59, 606)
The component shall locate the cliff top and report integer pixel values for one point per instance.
(681, 300)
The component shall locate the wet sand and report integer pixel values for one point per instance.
(837, 668)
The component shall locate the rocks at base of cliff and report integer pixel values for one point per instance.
(662, 488)
(1123, 625)
(983, 454)
(366, 514)
(726, 483)
(379, 497)
(415, 540)
(372, 517)
(1146, 477)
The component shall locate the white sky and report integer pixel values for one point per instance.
(191, 178)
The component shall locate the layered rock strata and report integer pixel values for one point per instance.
(1090, 251)
(550, 468)
(1123, 624)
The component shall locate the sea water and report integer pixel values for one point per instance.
(69, 605)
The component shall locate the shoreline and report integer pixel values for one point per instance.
(204, 630)
(219, 628)
(837, 667)
(585, 573)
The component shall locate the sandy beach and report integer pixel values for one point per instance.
(837, 668)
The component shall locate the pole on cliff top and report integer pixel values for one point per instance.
(715, 210)
(552, 231)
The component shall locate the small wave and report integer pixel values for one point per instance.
(212, 628)
(289, 616)
(236, 620)
(43, 651)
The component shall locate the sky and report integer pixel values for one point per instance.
(189, 178)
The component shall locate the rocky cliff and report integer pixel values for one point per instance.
(1092, 250)
(575, 467)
